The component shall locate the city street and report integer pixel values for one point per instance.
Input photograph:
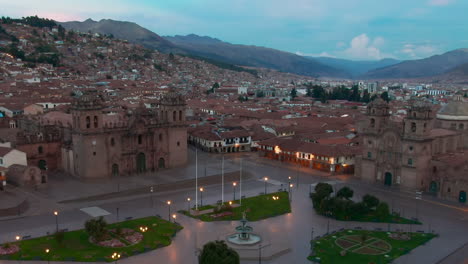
(447, 219)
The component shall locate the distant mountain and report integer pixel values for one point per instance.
(123, 30)
(253, 56)
(432, 66)
(458, 74)
(355, 68)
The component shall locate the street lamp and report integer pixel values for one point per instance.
(174, 216)
(290, 191)
(289, 182)
(265, 179)
(56, 221)
(234, 184)
(115, 256)
(188, 205)
(152, 201)
(17, 238)
(47, 251)
(169, 210)
(201, 196)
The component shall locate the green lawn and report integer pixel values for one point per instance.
(76, 245)
(257, 208)
(328, 251)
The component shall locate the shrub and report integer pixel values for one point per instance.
(345, 193)
(216, 252)
(96, 228)
(382, 211)
(59, 237)
(370, 201)
(6, 245)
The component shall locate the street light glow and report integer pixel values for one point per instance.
(234, 184)
(47, 251)
(55, 213)
(266, 178)
(201, 189)
(169, 202)
(188, 199)
(18, 237)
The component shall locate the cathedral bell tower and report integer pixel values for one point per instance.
(90, 153)
(378, 115)
(419, 121)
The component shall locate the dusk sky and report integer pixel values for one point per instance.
(352, 29)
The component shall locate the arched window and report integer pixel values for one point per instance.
(372, 122)
(40, 150)
(140, 139)
(88, 122)
(174, 116)
(413, 127)
(95, 121)
(425, 126)
(414, 114)
(112, 142)
(180, 115)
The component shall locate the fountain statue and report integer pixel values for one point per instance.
(244, 235)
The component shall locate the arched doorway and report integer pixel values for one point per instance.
(433, 187)
(42, 164)
(115, 170)
(141, 162)
(388, 179)
(462, 197)
(161, 163)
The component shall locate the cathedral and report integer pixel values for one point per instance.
(103, 144)
(424, 151)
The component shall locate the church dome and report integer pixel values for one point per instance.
(455, 110)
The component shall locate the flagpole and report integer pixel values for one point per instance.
(222, 180)
(240, 183)
(196, 179)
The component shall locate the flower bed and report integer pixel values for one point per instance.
(12, 249)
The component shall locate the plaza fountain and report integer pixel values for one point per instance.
(244, 235)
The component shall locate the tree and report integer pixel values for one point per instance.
(309, 92)
(96, 228)
(366, 97)
(385, 97)
(382, 211)
(217, 252)
(242, 98)
(370, 201)
(355, 96)
(293, 93)
(345, 193)
(215, 85)
(323, 189)
(171, 56)
(260, 93)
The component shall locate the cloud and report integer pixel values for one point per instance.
(418, 51)
(362, 47)
(440, 2)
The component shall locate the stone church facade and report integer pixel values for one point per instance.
(139, 141)
(414, 152)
